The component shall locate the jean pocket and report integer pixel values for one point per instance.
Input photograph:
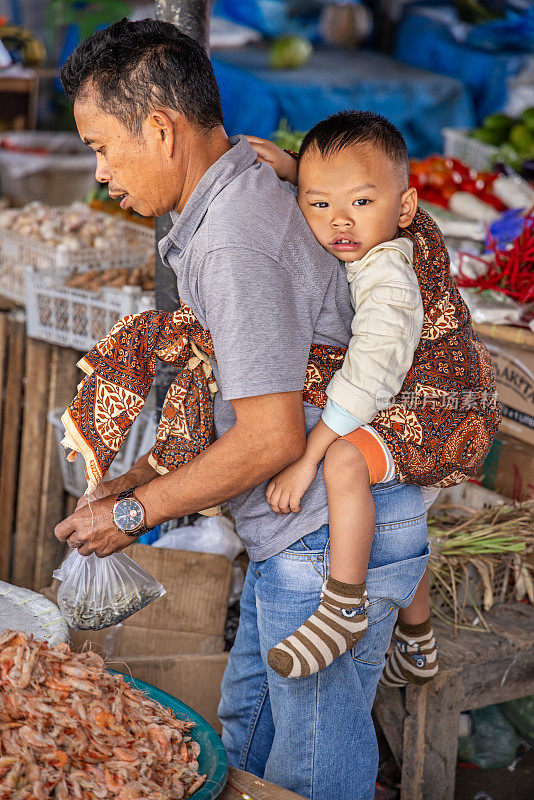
(372, 647)
(309, 545)
(389, 587)
(397, 581)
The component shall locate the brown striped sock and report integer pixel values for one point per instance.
(414, 658)
(337, 625)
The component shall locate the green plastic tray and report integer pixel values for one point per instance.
(212, 760)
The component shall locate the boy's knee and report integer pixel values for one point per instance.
(344, 460)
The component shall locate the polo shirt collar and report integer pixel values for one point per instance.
(229, 166)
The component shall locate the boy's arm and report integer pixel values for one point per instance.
(283, 164)
(287, 489)
(387, 325)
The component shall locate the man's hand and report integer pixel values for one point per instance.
(287, 489)
(96, 533)
(104, 489)
(283, 164)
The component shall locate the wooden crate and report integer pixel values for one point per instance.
(34, 378)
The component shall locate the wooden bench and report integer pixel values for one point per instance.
(244, 786)
(476, 669)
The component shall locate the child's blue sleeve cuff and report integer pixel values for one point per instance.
(339, 420)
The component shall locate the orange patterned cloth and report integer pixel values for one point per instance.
(439, 428)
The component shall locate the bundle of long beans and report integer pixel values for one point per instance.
(477, 544)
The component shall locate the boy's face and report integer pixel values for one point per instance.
(353, 199)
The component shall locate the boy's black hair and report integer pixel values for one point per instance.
(136, 66)
(349, 128)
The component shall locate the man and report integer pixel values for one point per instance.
(145, 99)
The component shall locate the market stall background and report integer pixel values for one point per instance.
(457, 78)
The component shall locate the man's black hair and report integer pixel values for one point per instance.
(138, 66)
(350, 128)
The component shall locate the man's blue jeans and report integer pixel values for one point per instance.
(315, 735)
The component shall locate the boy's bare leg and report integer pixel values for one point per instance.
(419, 609)
(341, 619)
(414, 657)
(351, 511)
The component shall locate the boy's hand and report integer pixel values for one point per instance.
(283, 164)
(287, 489)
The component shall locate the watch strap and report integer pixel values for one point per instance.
(126, 493)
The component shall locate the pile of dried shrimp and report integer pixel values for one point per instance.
(70, 730)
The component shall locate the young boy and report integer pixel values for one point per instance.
(353, 191)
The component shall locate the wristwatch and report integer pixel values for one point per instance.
(129, 514)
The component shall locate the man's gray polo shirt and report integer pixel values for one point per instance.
(249, 267)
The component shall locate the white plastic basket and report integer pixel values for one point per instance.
(18, 251)
(141, 438)
(458, 144)
(74, 317)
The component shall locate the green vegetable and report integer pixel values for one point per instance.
(500, 123)
(290, 52)
(287, 139)
(487, 136)
(527, 117)
(521, 138)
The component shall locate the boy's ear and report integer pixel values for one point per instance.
(408, 207)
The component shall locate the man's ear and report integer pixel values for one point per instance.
(161, 125)
(408, 207)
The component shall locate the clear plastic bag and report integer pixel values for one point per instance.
(98, 592)
(206, 535)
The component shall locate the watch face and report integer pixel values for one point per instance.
(128, 515)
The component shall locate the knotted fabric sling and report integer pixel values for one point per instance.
(439, 428)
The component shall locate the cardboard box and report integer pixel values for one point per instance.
(509, 468)
(512, 354)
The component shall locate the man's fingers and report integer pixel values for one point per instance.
(64, 529)
(86, 550)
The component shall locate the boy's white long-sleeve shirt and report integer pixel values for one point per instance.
(386, 328)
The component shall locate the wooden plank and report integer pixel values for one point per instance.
(510, 334)
(244, 785)
(430, 742)
(31, 462)
(63, 378)
(497, 681)
(390, 713)
(3, 357)
(11, 426)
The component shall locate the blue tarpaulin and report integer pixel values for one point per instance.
(428, 43)
(255, 98)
